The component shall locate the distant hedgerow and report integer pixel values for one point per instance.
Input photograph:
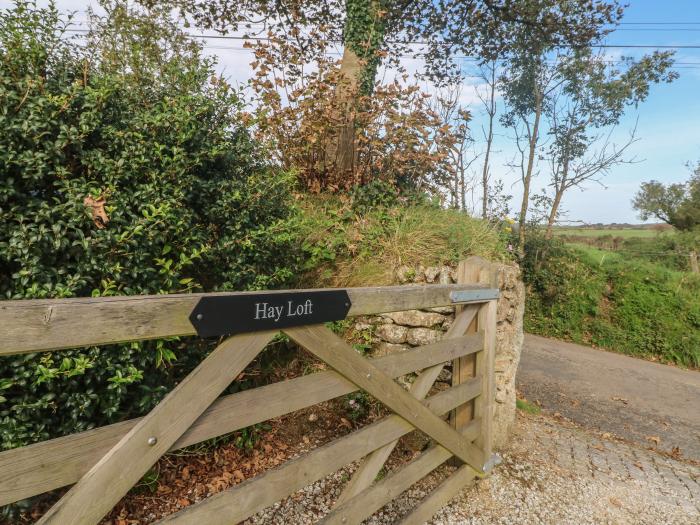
(612, 301)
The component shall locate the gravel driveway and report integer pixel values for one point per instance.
(556, 473)
(552, 473)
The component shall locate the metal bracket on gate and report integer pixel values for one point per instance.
(474, 296)
(492, 462)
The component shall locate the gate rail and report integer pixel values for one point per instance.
(106, 462)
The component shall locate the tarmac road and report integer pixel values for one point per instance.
(632, 398)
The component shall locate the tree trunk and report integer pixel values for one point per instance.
(553, 213)
(340, 149)
(455, 187)
(528, 175)
(694, 267)
(558, 195)
(489, 141)
(364, 33)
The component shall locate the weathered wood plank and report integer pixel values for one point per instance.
(37, 468)
(118, 470)
(242, 501)
(374, 498)
(437, 499)
(485, 365)
(345, 360)
(464, 368)
(367, 472)
(52, 324)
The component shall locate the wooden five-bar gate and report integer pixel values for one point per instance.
(104, 463)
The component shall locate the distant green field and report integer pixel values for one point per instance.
(621, 232)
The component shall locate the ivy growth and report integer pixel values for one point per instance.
(364, 33)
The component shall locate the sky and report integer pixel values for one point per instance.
(667, 123)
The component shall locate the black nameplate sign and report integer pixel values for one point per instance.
(218, 315)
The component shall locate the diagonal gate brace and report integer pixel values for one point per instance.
(345, 360)
(371, 466)
(120, 469)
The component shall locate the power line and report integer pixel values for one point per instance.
(659, 23)
(654, 29)
(676, 65)
(644, 46)
(263, 38)
(623, 23)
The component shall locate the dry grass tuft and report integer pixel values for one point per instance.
(367, 249)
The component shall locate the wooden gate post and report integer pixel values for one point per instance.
(476, 270)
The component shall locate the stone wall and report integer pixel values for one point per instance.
(398, 331)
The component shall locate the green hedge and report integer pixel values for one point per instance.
(191, 205)
(612, 301)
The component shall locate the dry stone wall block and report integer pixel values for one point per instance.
(396, 331)
(431, 274)
(423, 336)
(362, 326)
(444, 310)
(405, 274)
(385, 348)
(446, 275)
(417, 318)
(392, 333)
(445, 376)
